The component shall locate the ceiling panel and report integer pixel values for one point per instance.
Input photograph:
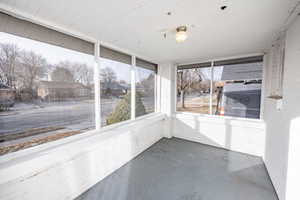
(244, 27)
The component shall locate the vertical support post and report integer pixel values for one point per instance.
(133, 74)
(166, 73)
(97, 86)
(263, 85)
(155, 92)
(158, 90)
(211, 88)
(175, 88)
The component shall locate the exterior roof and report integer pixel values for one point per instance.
(240, 87)
(249, 71)
(61, 85)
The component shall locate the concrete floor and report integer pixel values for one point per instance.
(175, 169)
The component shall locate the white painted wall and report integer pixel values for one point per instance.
(246, 136)
(236, 134)
(66, 170)
(166, 94)
(282, 151)
(166, 76)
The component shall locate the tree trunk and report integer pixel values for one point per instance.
(182, 98)
(220, 91)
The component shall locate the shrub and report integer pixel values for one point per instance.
(122, 111)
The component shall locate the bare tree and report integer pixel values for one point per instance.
(108, 78)
(199, 73)
(62, 74)
(9, 55)
(185, 81)
(81, 72)
(32, 67)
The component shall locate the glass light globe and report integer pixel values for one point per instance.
(181, 36)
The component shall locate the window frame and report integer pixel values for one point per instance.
(96, 77)
(133, 71)
(211, 115)
(155, 90)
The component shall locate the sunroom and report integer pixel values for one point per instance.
(149, 100)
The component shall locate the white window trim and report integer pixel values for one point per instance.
(218, 117)
(66, 148)
(133, 88)
(155, 93)
(97, 64)
(97, 86)
(211, 87)
(31, 151)
(97, 110)
(80, 35)
(210, 115)
(263, 87)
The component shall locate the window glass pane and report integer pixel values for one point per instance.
(115, 78)
(145, 91)
(237, 90)
(193, 90)
(46, 92)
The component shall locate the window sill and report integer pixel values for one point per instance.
(46, 155)
(120, 124)
(259, 123)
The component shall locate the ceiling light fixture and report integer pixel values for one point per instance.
(181, 34)
(223, 7)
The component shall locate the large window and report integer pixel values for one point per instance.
(145, 91)
(193, 90)
(237, 90)
(49, 85)
(46, 92)
(115, 83)
(116, 89)
(229, 88)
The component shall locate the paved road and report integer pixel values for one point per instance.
(76, 115)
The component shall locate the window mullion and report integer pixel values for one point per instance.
(155, 92)
(133, 91)
(211, 88)
(97, 86)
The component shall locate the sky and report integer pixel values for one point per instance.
(123, 70)
(55, 54)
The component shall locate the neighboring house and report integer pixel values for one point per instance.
(57, 90)
(114, 89)
(7, 96)
(250, 71)
(240, 94)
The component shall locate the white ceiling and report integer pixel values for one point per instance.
(245, 27)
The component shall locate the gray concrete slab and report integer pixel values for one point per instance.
(175, 169)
